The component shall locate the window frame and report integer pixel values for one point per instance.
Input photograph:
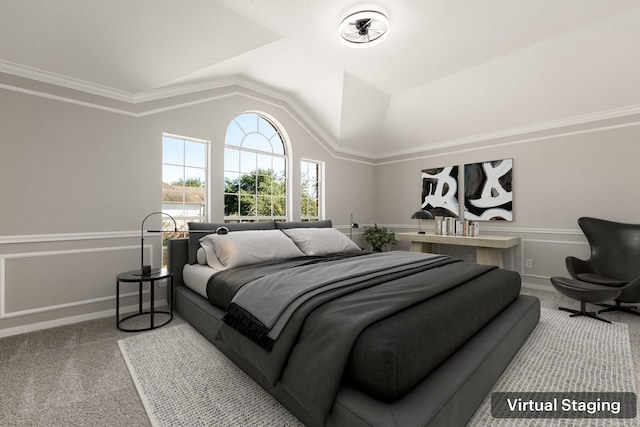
(320, 169)
(182, 220)
(286, 157)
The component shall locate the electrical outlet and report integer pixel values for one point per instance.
(528, 263)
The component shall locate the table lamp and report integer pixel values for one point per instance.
(420, 215)
(146, 270)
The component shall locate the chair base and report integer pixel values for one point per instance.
(583, 312)
(632, 309)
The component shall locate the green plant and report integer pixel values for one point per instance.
(378, 237)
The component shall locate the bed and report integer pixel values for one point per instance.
(343, 337)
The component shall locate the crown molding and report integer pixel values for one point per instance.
(521, 130)
(64, 81)
(286, 102)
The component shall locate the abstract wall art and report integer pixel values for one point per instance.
(488, 191)
(440, 191)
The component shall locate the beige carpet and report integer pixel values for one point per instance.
(184, 381)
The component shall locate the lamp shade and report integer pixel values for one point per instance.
(146, 270)
(422, 214)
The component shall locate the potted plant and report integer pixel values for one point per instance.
(378, 237)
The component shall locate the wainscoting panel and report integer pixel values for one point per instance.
(548, 256)
(34, 282)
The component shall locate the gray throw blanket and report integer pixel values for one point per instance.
(311, 350)
(261, 308)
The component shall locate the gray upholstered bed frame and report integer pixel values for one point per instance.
(447, 397)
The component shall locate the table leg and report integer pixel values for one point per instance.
(151, 302)
(489, 256)
(421, 247)
(140, 297)
(117, 303)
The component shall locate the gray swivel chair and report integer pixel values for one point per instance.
(614, 261)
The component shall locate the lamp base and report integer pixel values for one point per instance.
(147, 271)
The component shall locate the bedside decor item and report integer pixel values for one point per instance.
(146, 270)
(153, 278)
(352, 225)
(420, 215)
(378, 237)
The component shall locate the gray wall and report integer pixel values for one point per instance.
(559, 175)
(79, 174)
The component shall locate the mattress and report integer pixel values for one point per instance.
(392, 356)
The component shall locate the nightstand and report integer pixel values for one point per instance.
(134, 276)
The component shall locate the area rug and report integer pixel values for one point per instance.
(183, 380)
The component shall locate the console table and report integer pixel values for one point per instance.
(488, 248)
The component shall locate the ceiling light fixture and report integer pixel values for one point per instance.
(363, 29)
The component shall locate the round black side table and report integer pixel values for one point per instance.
(134, 276)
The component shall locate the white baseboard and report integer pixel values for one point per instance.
(538, 287)
(74, 319)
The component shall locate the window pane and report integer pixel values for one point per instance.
(194, 177)
(264, 163)
(234, 134)
(247, 162)
(266, 128)
(230, 205)
(248, 183)
(172, 150)
(231, 159)
(231, 182)
(264, 205)
(248, 122)
(173, 175)
(279, 204)
(279, 166)
(256, 141)
(312, 172)
(251, 170)
(195, 154)
(277, 144)
(248, 205)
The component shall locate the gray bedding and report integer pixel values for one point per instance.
(447, 396)
(311, 353)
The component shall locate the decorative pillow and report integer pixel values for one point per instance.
(248, 247)
(202, 256)
(321, 241)
(197, 230)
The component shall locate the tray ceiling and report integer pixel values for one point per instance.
(449, 70)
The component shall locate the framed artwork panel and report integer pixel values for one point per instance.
(488, 191)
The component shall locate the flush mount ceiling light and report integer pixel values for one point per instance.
(363, 29)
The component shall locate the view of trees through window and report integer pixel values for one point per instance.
(310, 174)
(184, 179)
(255, 175)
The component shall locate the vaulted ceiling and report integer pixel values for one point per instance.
(450, 72)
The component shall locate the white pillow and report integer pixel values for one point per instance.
(211, 259)
(320, 241)
(239, 248)
(201, 256)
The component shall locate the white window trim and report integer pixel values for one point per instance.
(207, 193)
(288, 151)
(321, 169)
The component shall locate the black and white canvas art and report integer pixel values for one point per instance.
(488, 191)
(440, 191)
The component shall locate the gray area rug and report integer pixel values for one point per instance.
(183, 380)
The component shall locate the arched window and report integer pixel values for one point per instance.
(255, 170)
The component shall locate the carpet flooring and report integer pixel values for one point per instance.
(206, 389)
(75, 375)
